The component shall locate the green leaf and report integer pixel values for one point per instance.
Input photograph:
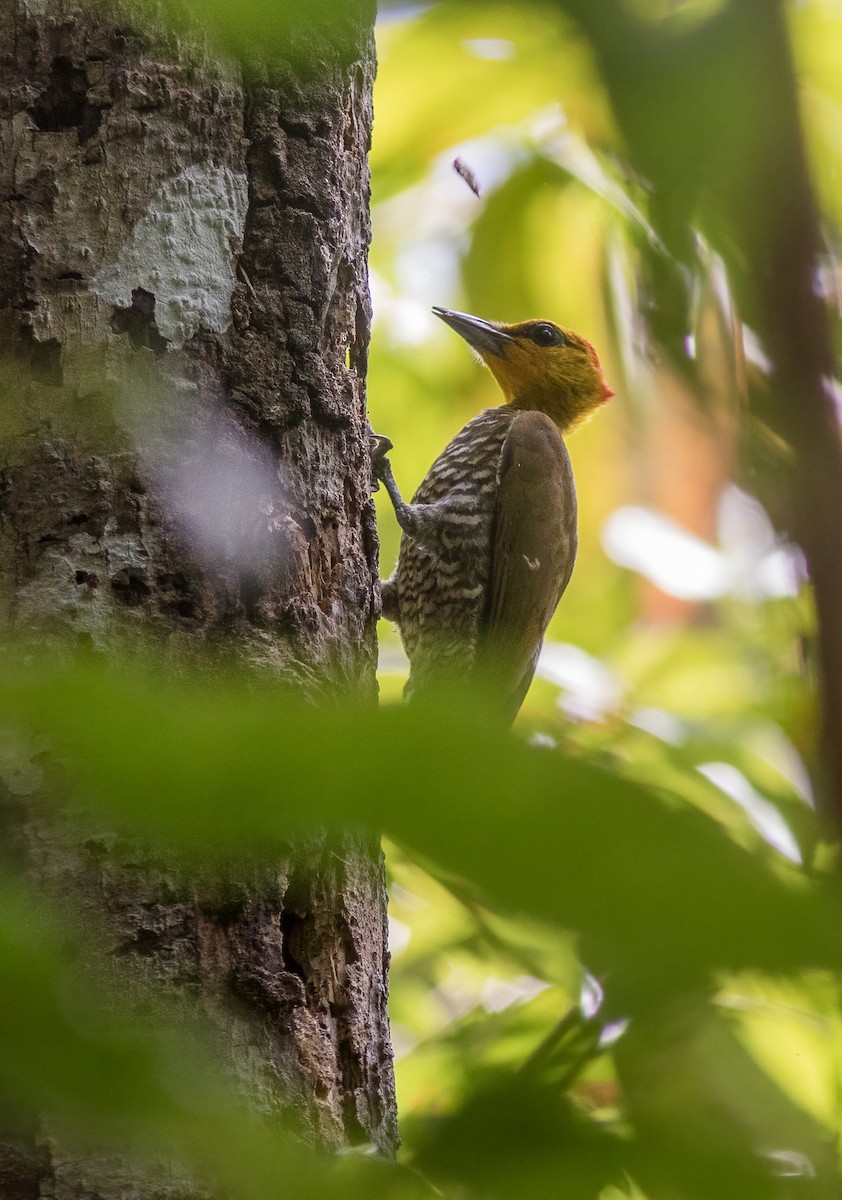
(106, 1077)
(658, 893)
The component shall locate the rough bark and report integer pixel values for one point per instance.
(184, 319)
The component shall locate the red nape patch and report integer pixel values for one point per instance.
(592, 354)
(607, 392)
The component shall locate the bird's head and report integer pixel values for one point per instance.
(538, 365)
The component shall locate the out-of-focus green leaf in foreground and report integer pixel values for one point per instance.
(103, 1078)
(663, 902)
(658, 893)
(303, 32)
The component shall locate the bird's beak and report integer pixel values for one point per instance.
(484, 336)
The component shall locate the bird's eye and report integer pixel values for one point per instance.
(548, 335)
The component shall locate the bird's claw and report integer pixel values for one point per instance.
(379, 447)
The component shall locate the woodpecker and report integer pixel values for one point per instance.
(489, 539)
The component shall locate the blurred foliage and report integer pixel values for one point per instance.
(674, 660)
(616, 952)
(305, 33)
(111, 1080)
(678, 916)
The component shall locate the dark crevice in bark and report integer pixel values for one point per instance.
(42, 359)
(64, 103)
(138, 321)
(24, 1168)
(146, 943)
(130, 587)
(291, 931)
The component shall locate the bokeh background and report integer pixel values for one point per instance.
(682, 653)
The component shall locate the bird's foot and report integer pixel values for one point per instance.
(379, 447)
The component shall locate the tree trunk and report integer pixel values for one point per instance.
(184, 316)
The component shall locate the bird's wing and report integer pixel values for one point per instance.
(532, 554)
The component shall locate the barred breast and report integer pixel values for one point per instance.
(442, 589)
